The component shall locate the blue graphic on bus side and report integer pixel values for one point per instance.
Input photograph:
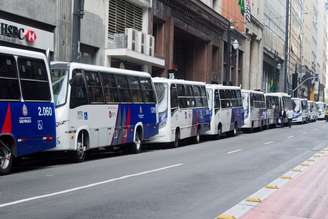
(31, 124)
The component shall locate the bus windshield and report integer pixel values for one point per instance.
(59, 78)
(162, 90)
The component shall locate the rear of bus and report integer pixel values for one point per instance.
(297, 108)
(27, 113)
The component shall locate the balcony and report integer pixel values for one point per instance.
(134, 46)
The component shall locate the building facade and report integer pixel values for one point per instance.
(273, 52)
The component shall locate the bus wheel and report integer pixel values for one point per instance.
(219, 135)
(235, 130)
(197, 137)
(80, 154)
(137, 143)
(6, 158)
(176, 142)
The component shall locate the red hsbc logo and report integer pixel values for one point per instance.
(30, 36)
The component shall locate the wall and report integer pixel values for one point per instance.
(230, 9)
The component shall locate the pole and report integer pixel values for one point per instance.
(76, 35)
(286, 46)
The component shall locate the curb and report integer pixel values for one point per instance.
(258, 197)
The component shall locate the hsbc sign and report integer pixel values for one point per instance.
(24, 35)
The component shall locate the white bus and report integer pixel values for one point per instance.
(285, 102)
(183, 110)
(312, 107)
(254, 109)
(98, 107)
(320, 110)
(272, 105)
(300, 107)
(226, 106)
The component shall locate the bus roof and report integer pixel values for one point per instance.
(252, 91)
(177, 81)
(74, 65)
(22, 52)
(297, 98)
(279, 94)
(222, 87)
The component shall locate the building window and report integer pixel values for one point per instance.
(123, 14)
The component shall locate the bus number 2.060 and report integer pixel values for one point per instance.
(45, 111)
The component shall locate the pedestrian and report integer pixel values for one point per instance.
(290, 114)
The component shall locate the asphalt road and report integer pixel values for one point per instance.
(194, 181)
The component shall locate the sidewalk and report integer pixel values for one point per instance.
(304, 196)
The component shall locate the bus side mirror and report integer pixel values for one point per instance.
(76, 81)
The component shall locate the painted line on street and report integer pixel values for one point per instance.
(235, 151)
(292, 136)
(269, 142)
(88, 186)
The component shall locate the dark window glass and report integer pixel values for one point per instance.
(123, 88)
(148, 91)
(190, 96)
(174, 96)
(78, 91)
(95, 92)
(182, 96)
(135, 89)
(8, 66)
(34, 79)
(217, 99)
(9, 86)
(32, 69)
(110, 88)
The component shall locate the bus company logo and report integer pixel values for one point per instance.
(19, 33)
(24, 110)
(30, 36)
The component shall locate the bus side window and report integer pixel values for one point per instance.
(217, 102)
(34, 79)
(9, 85)
(182, 96)
(148, 93)
(95, 92)
(204, 96)
(78, 91)
(110, 88)
(135, 89)
(123, 89)
(174, 96)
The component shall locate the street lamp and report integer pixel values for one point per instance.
(235, 44)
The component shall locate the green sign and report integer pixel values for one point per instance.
(242, 6)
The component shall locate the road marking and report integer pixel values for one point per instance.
(269, 142)
(292, 136)
(235, 151)
(89, 185)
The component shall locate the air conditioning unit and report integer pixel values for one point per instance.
(131, 39)
(141, 42)
(150, 45)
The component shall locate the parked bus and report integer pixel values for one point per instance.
(27, 113)
(285, 102)
(300, 107)
(183, 110)
(313, 116)
(98, 107)
(226, 106)
(254, 109)
(273, 112)
(320, 110)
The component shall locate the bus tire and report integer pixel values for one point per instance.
(197, 137)
(136, 147)
(82, 146)
(219, 135)
(176, 142)
(6, 157)
(235, 129)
